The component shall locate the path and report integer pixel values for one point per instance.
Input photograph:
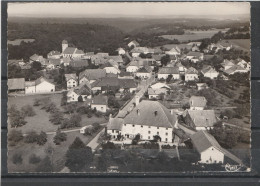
(94, 142)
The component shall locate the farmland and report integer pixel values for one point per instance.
(193, 35)
(242, 44)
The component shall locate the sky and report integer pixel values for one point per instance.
(126, 9)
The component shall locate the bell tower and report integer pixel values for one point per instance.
(64, 45)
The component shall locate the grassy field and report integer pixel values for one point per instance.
(192, 35)
(241, 44)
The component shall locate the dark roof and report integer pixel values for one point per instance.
(115, 124)
(151, 113)
(53, 52)
(93, 74)
(69, 50)
(99, 100)
(195, 54)
(71, 76)
(83, 89)
(202, 118)
(79, 63)
(123, 74)
(208, 69)
(16, 83)
(191, 70)
(114, 82)
(233, 69)
(145, 69)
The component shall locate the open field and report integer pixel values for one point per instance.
(18, 41)
(241, 44)
(192, 35)
(40, 122)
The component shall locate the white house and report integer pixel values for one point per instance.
(175, 51)
(202, 86)
(154, 91)
(141, 50)
(114, 127)
(120, 51)
(99, 103)
(195, 56)
(72, 80)
(226, 64)
(109, 68)
(164, 72)
(135, 65)
(210, 151)
(197, 102)
(144, 72)
(82, 91)
(91, 75)
(191, 74)
(147, 119)
(133, 44)
(209, 72)
(40, 85)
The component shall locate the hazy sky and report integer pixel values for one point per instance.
(127, 9)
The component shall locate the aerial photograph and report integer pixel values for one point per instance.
(129, 87)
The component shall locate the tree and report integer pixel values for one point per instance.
(70, 108)
(37, 65)
(136, 139)
(31, 137)
(42, 138)
(28, 110)
(16, 117)
(17, 158)
(56, 118)
(15, 136)
(79, 156)
(169, 78)
(59, 137)
(80, 99)
(165, 60)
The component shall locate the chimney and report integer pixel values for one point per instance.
(137, 100)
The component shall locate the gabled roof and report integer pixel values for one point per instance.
(234, 68)
(78, 63)
(71, 76)
(134, 42)
(191, 70)
(53, 52)
(157, 57)
(208, 69)
(202, 118)
(93, 74)
(151, 113)
(137, 63)
(69, 50)
(117, 59)
(114, 82)
(202, 140)
(197, 101)
(64, 42)
(115, 124)
(79, 51)
(16, 83)
(159, 86)
(227, 63)
(99, 100)
(194, 54)
(127, 83)
(54, 61)
(168, 70)
(82, 89)
(40, 80)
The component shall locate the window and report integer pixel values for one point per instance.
(166, 128)
(166, 139)
(157, 127)
(166, 133)
(157, 133)
(112, 131)
(124, 124)
(133, 125)
(149, 127)
(149, 132)
(148, 137)
(141, 126)
(101, 108)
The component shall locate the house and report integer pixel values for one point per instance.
(175, 51)
(226, 64)
(195, 49)
(195, 56)
(157, 58)
(194, 44)
(120, 51)
(53, 63)
(191, 74)
(79, 93)
(109, 68)
(197, 102)
(209, 72)
(148, 119)
(224, 44)
(78, 63)
(210, 151)
(115, 60)
(164, 73)
(114, 84)
(16, 85)
(141, 50)
(202, 86)
(133, 44)
(114, 127)
(91, 75)
(144, 72)
(98, 60)
(200, 119)
(54, 55)
(235, 69)
(242, 63)
(71, 52)
(178, 65)
(157, 89)
(125, 75)
(36, 58)
(99, 103)
(136, 64)
(40, 85)
(72, 80)
(66, 61)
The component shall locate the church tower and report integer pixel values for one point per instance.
(64, 45)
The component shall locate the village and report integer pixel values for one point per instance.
(173, 103)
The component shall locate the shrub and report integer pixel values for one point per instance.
(45, 165)
(59, 137)
(56, 118)
(28, 110)
(17, 158)
(33, 159)
(31, 137)
(42, 138)
(15, 136)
